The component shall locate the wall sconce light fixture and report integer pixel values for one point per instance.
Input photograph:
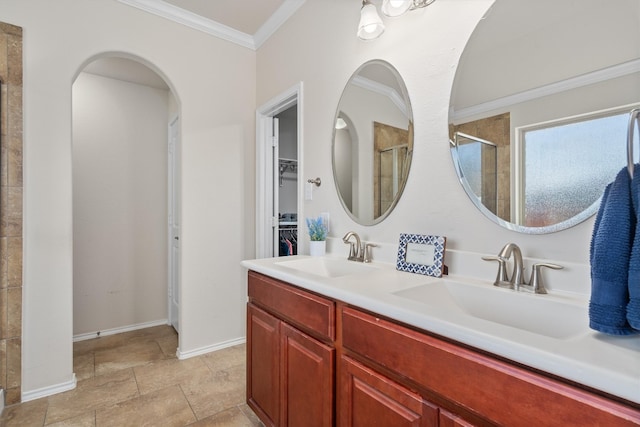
(371, 26)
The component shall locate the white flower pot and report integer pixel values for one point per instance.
(317, 248)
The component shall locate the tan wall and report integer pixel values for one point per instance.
(11, 211)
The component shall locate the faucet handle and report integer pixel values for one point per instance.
(367, 251)
(502, 279)
(535, 283)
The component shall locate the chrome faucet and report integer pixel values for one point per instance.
(354, 248)
(517, 281)
(517, 274)
(358, 250)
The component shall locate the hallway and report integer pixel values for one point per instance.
(135, 379)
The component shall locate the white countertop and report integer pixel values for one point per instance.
(602, 362)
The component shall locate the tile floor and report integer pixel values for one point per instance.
(135, 379)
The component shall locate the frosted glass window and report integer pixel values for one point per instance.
(567, 166)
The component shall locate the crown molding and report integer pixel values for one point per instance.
(280, 16)
(593, 77)
(216, 29)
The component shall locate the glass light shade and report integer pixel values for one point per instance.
(370, 26)
(393, 8)
(340, 123)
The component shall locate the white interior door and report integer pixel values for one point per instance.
(174, 224)
(275, 203)
(267, 170)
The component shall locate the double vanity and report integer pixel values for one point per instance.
(332, 341)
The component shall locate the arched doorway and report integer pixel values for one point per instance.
(125, 119)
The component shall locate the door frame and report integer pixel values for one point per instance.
(264, 167)
(173, 213)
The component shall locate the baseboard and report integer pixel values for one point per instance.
(113, 331)
(208, 349)
(50, 390)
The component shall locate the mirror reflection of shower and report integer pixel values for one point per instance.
(479, 163)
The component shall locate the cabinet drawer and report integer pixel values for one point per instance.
(369, 399)
(497, 391)
(311, 313)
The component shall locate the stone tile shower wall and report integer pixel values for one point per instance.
(10, 211)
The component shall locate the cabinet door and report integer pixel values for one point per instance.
(447, 419)
(308, 380)
(367, 398)
(263, 365)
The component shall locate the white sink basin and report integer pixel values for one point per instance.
(541, 314)
(327, 267)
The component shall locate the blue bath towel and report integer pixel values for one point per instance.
(633, 308)
(611, 244)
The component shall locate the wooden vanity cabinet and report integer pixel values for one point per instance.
(447, 419)
(263, 365)
(290, 354)
(312, 361)
(471, 387)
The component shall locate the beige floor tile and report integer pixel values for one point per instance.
(232, 417)
(167, 407)
(223, 390)
(225, 358)
(116, 340)
(84, 366)
(92, 394)
(96, 344)
(25, 414)
(127, 356)
(169, 345)
(161, 374)
(154, 388)
(149, 334)
(85, 420)
(248, 412)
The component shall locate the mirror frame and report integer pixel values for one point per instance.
(409, 113)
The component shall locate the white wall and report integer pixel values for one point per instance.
(119, 204)
(319, 46)
(214, 83)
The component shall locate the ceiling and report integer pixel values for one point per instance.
(247, 22)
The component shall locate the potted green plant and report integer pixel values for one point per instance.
(318, 236)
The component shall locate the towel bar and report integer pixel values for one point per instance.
(633, 118)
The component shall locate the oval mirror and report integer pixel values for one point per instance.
(372, 142)
(539, 109)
